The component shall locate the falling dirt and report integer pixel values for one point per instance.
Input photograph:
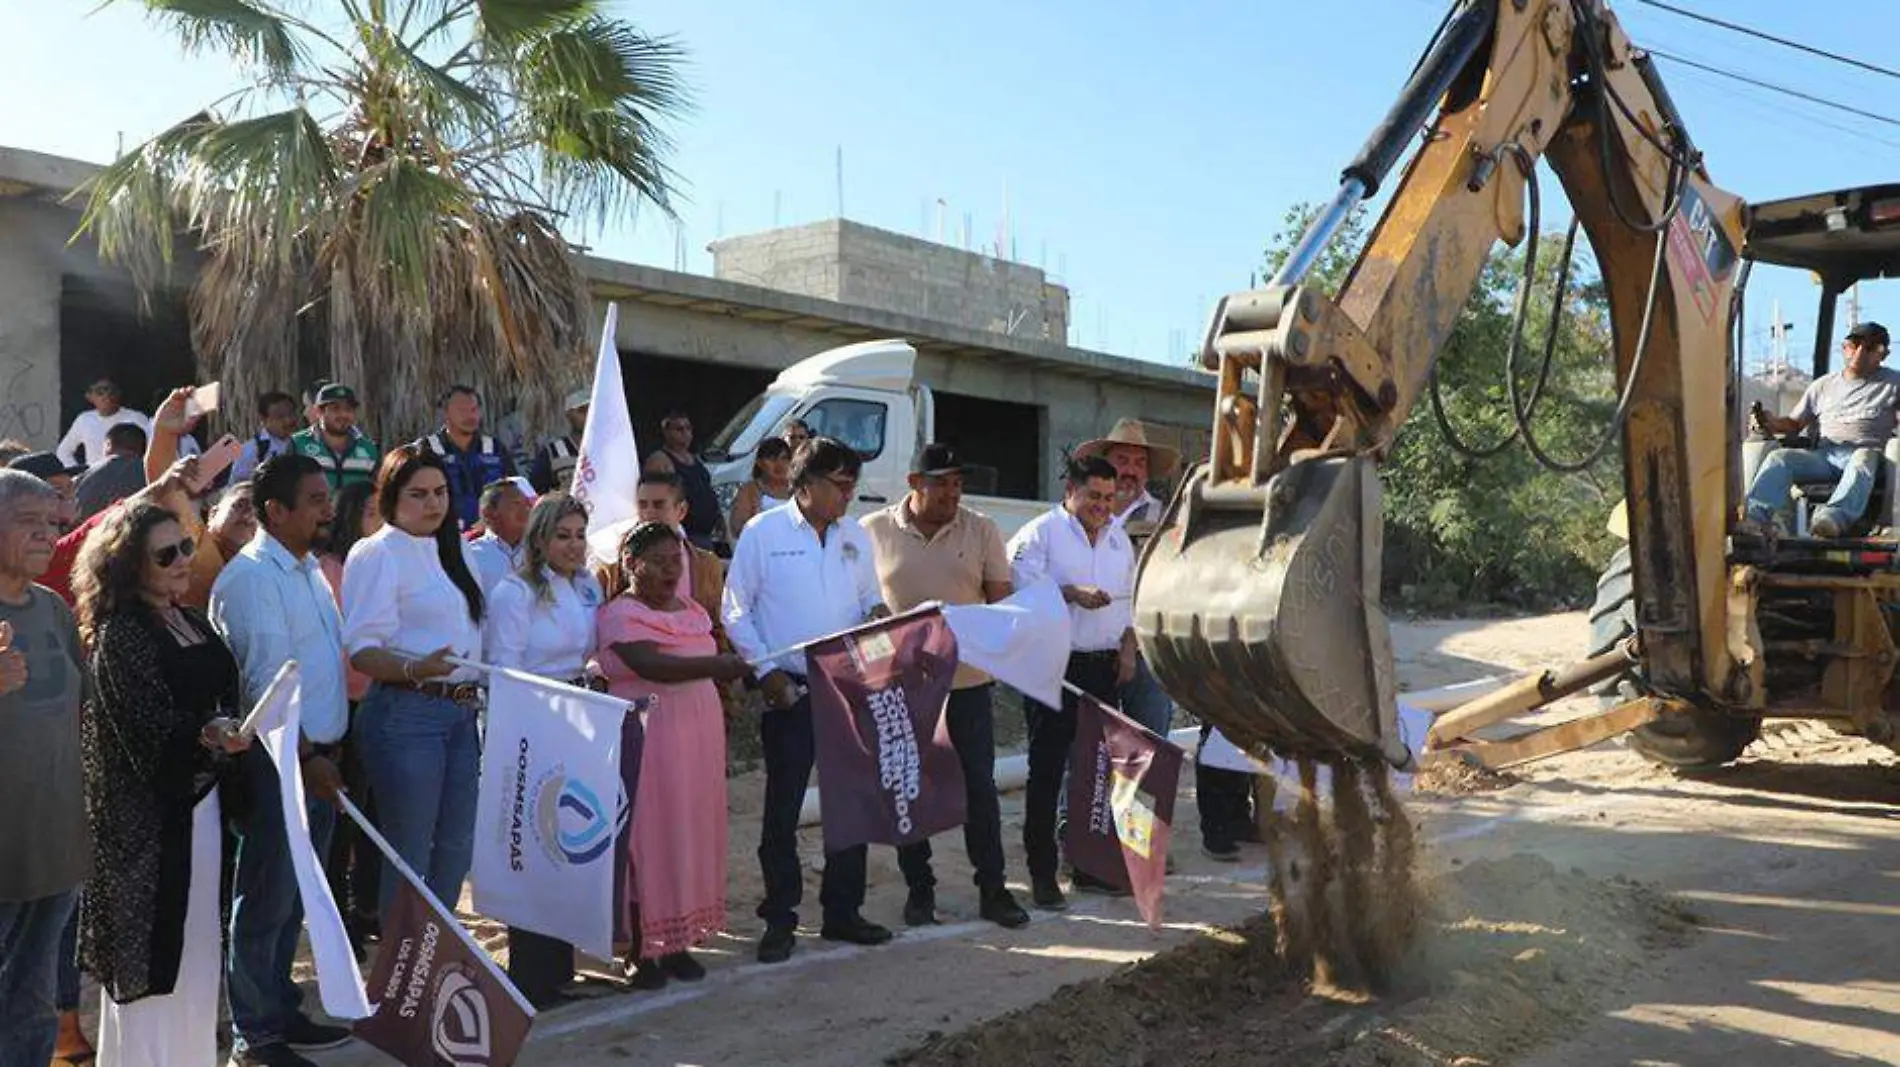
(1512, 953)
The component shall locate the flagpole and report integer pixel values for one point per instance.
(422, 887)
(249, 727)
(924, 608)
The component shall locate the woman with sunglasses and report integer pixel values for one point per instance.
(655, 642)
(541, 620)
(161, 717)
(410, 603)
(770, 487)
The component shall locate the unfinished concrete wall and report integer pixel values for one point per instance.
(32, 255)
(868, 267)
(1076, 407)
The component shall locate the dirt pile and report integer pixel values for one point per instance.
(1511, 954)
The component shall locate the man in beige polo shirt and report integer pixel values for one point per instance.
(928, 546)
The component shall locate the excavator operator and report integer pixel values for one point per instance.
(1856, 409)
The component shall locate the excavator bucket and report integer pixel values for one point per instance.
(1257, 609)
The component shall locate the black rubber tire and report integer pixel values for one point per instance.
(1699, 738)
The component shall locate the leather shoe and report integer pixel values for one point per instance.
(1224, 851)
(683, 966)
(921, 908)
(647, 975)
(777, 944)
(1047, 895)
(1001, 908)
(854, 930)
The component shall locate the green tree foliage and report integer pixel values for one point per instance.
(384, 198)
(1464, 533)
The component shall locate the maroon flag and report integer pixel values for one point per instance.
(1122, 781)
(438, 999)
(886, 772)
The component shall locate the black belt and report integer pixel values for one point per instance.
(1103, 653)
(467, 694)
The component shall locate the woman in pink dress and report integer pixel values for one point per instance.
(655, 642)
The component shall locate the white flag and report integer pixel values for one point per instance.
(607, 474)
(545, 819)
(278, 720)
(1022, 641)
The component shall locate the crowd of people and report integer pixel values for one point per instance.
(145, 847)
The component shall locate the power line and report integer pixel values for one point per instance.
(1765, 36)
(1758, 83)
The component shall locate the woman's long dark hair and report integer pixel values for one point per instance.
(106, 575)
(770, 448)
(402, 464)
(352, 503)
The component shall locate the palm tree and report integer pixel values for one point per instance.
(387, 189)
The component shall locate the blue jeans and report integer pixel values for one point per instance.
(424, 762)
(266, 910)
(30, 932)
(1144, 701)
(1768, 495)
(67, 998)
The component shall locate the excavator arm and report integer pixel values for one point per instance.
(1257, 602)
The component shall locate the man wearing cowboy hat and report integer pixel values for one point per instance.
(554, 464)
(1131, 449)
(1137, 457)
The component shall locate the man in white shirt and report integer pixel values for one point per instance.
(88, 431)
(506, 505)
(271, 604)
(1088, 554)
(802, 572)
(1137, 459)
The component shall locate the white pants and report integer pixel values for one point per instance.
(179, 1029)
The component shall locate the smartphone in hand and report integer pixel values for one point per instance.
(204, 400)
(215, 461)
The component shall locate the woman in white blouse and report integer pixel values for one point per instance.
(541, 620)
(411, 601)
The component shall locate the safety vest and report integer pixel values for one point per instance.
(357, 463)
(469, 473)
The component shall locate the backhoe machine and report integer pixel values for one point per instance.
(1257, 599)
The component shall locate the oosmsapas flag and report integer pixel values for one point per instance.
(546, 809)
(439, 1001)
(886, 772)
(1122, 781)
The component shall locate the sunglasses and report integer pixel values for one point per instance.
(171, 554)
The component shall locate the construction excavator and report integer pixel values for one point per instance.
(1257, 600)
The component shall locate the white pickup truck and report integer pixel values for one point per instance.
(864, 395)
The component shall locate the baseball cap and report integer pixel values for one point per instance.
(43, 465)
(1869, 331)
(336, 393)
(579, 398)
(937, 459)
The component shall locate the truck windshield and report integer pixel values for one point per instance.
(743, 432)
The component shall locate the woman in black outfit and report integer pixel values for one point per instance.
(165, 689)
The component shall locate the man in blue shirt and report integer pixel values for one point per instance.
(474, 459)
(272, 604)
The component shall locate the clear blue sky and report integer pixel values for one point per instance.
(1148, 150)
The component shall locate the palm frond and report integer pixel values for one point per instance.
(507, 23)
(251, 32)
(593, 96)
(130, 202)
(259, 182)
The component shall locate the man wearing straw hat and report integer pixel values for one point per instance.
(1137, 457)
